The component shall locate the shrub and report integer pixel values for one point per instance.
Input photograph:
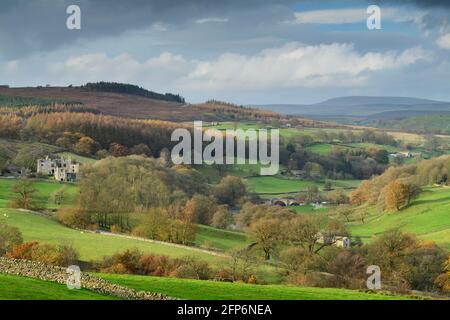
(117, 268)
(192, 269)
(222, 218)
(129, 259)
(73, 217)
(9, 236)
(134, 262)
(45, 253)
(22, 251)
(116, 228)
(252, 280)
(349, 270)
(62, 255)
(68, 255)
(157, 265)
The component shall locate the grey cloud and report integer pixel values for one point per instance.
(39, 25)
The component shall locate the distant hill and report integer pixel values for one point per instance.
(129, 101)
(360, 107)
(429, 123)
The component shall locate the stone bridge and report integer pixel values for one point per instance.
(284, 202)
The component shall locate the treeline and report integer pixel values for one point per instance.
(169, 201)
(18, 101)
(341, 163)
(431, 124)
(30, 110)
(395, 188)
(344, 136)
(232, 111)
(87, 133)
(306, 247)
(132, 89)
(15, 156)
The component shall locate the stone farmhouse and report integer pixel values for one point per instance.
(406, 155)
(64, 170)
(337, 241)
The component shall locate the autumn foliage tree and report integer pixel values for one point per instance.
(9, 237)
(443, 281)
(266, 234)
(396, 195)
(25, 196)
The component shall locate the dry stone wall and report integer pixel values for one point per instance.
(41, 271)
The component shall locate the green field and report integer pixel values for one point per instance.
(388, 148)
(23, 288)
(285, 133)
(322, 148)
(219, 239)
(90, 245)
(214, 290)
(45, 191)
(428, 217)
(273, 185)
(309, 209)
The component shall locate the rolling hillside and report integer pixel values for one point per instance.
(428, 217)
(214, 290)
(359, 106)
(364, 110)
(434, 123)
(92, 246)
(116, 104)
(45, 191)
(22, 288)
(136, 105)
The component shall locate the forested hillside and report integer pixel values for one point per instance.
(131, 89)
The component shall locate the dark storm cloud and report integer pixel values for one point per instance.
(419, 3)
(40, 25)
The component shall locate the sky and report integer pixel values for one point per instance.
(241, 51)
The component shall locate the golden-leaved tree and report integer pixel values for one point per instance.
(395, 195)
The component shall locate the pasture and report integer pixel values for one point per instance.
(278, 185)
(213, 238)
(46, 190)
(214, 290)
(428, 217)
(23, 288)
(92, 246)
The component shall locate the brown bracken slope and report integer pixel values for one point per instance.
(139, 107)
(123, 105)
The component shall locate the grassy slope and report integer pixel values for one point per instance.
(213, 290)
(428, 217)
(22, 288)
(91, 246)
(322, 148)
(309, 209)
(45, 191)
(220, 239)
(270, 184)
